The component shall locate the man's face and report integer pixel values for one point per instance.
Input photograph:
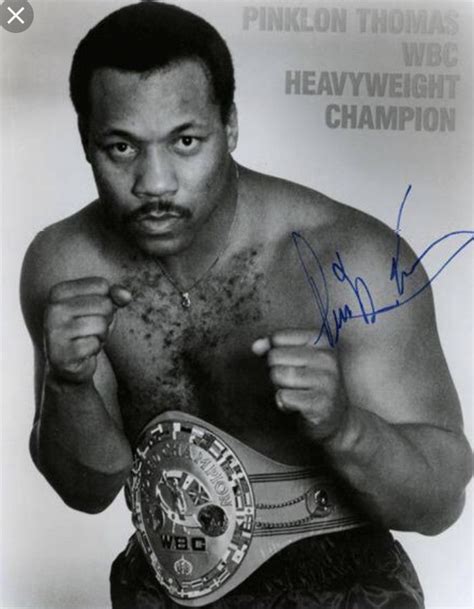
(160, 153)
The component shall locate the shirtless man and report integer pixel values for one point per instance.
(181, 288)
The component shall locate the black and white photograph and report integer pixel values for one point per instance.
(237, 304)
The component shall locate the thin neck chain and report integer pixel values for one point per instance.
(184, 292)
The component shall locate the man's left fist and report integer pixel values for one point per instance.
(307, 378)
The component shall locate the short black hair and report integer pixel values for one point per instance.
(148, 36)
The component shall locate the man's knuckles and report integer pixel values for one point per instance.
(86, 347)
(288, 356)
(85, 304)
(73, 350)
(79, 287)
(292, 338)
(66, 349)
(91, 325)
(292, 376)
(64, 315)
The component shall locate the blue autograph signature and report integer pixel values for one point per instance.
(333, 320)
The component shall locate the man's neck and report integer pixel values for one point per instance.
(211, 241)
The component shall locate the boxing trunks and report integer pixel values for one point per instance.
(209, 511)
(363, 568)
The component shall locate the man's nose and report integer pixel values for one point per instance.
(155, 176)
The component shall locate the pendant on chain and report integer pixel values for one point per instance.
(185, 300)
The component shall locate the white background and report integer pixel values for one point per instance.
(53, 557)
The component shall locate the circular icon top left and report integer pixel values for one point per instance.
(16, 16)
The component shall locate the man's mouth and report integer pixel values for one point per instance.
(157, 223)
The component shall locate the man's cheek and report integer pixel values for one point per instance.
(114, 196)
(113, 180)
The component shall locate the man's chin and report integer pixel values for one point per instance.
(161, 246)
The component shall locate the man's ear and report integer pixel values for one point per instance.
(84, 133)
(232, 129)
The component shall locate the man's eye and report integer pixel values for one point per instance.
(121, 149)
(187, 143)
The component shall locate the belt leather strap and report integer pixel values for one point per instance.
(209, 510)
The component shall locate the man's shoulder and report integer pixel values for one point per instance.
(290, 207)
(61, 250)
(285, 200)
(343, 242)
(64, 250)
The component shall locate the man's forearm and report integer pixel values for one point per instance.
(407, 476)
(78, 447)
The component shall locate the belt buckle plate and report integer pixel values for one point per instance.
(193, 507)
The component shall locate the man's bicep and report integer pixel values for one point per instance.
(42, 269)
(396, 367)
(39, 369)
(34, 288)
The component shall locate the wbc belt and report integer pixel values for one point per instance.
(209, 510)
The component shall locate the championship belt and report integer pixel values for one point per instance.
(209, 510)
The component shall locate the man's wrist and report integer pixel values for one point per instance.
(347, 436)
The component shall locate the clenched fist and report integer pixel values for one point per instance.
(307, 380)
(78, 319)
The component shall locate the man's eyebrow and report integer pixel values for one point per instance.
(117, 132)
(189, 125)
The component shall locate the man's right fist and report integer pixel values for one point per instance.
(78, 319)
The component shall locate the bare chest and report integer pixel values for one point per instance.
(198, 359)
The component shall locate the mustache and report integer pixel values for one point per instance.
(157, 207)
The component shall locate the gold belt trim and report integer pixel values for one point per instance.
(209, 510)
